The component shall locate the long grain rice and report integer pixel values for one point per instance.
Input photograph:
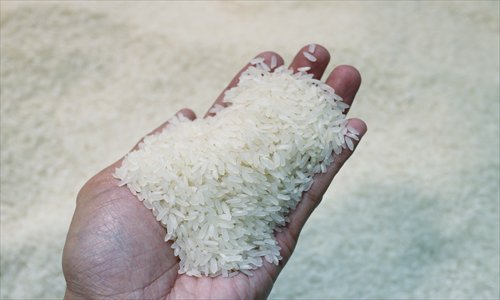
(311, 48)
(274, 62)
(309, 56)
(222, 185)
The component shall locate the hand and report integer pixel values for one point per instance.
(115, 247)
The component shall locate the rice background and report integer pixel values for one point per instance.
(414, 214)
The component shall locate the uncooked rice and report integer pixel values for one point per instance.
(257, 60)
(274, 62)
(304, 69)
(311, 48)
(309, 56)
(224, 184)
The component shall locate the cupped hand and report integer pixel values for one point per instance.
(115, 247)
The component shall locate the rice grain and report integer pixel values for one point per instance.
(224, 184)
(311, 48)
(309, 56)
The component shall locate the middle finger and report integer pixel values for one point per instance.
(311, 58)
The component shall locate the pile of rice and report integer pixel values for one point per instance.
(223, 184)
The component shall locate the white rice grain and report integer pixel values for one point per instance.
(223, 185)
(311, 48)
(349, 143)
(352, 129)
(257, 60)
(274, 62)
(309, 56)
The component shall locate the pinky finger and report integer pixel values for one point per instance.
(312, 198)
(322, 180)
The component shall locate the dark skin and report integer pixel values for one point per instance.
(115, 248)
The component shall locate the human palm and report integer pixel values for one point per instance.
(115, 248)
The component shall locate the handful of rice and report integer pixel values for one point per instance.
(223, 184)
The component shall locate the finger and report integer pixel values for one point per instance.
(345, 80)
(186, 112)
(271, 59)
(312, 198)
(312, 56)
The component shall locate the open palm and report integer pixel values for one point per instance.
(115, 248)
